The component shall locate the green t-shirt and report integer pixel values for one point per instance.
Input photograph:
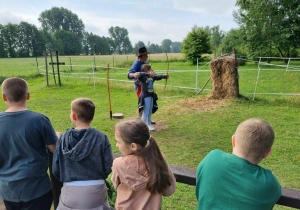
(225, 181)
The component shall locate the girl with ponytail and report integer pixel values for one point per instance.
(142, 176)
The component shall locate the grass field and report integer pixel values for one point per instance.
(188, 126)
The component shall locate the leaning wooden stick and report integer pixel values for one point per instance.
(167, 73)
(110, 112)
(204, 85)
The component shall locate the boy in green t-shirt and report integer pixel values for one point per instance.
(235, 181)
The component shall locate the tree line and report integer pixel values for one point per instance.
(268, 28)
(64, 31)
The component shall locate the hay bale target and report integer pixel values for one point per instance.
(224, 77)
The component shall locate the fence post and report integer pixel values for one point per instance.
(46, 69)
(37, 65)
(56, 52)
(257, 78)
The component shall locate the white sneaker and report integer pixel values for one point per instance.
(151, 128)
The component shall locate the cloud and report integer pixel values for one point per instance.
(211, 8)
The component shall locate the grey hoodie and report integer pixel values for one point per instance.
(82, 155)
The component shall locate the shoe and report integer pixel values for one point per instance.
(151, 128)
(152, 122)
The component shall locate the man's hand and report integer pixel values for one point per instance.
(136, 75)
(166, 76)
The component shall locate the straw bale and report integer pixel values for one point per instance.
(224, 78)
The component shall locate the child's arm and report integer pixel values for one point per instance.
(159, 77)
(115, 178)
(171, 189)
(107, 157)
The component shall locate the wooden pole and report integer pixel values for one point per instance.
(52, 68)
(57, 64)
(46, 69)
(204, 85)
(237, 73)
(110, 112)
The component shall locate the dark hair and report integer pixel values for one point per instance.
(84, 108)
(134, 130)
(15, 89)
(146, 67)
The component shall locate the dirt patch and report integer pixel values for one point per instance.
(197, 104)
(158, 126)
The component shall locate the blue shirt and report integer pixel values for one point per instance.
(23, 155)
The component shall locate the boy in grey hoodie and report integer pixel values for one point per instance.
(82, 160)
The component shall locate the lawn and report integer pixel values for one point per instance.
(189, 126)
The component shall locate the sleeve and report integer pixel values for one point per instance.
(107, 157)
(158, 77)
(144, 74)
(49, 135)
(55, 164)
(115, 178)
(171, 189)
(132, 70)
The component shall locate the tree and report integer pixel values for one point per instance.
(70, 41)
(176, 47)
(121, 40)
(154, 48)
(137, 46)
(166, 45)
(3, 52)
(10, 39)
(235, 38)
(61, 19)
(216, 36)
(270, 25)
(30, 41)
(196, 43)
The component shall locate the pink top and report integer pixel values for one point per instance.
(130, 180)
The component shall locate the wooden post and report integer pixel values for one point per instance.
(113, 61)
(237, 73)
(46, 68)
(57, 64)
(110, 112)
(52, 67)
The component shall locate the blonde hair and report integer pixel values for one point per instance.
(146, 67)
(254, 137)
(15, 89)
(134, 130)
(84, 108)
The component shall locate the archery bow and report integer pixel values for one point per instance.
(167, 74)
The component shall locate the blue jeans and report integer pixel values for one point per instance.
(148, 101)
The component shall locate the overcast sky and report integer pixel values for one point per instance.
(146, 20)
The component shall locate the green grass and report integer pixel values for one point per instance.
(192, 130)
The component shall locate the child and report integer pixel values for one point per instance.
(24, 138)
(235, 181)
(82, 160)
(143, 175)
(148, 98)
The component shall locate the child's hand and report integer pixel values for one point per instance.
(166, 76)
(58, 134)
